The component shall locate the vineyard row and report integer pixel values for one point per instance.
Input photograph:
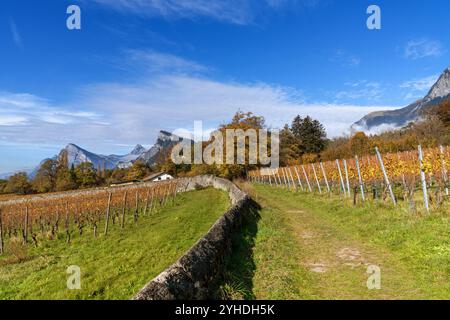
(44, 217)
(395, 175)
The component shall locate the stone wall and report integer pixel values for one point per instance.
(195, 274)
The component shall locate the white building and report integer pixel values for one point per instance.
(160, 176)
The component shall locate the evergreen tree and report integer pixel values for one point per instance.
(311, 133)
(290, 146)
(86, 175)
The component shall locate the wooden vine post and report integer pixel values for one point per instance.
(361, 182)
(346, 179)
(386, 178)
(307, 180)
(1, 233)
(152, 200)
(424, 180)
(147, 199)
(273, 176)
(292, 178)
(67, 223)
(286, 179)
(124, 209)
(340, 176)
(298, 178)
(325, 177)
(444, 170)
(25, 229)
(279, 178)
(108, 208)
(282, 175)
(317, 179)
(136, 208)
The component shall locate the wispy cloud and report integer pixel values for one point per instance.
(283, 3)
(345, 59)
(130, 113)
(363, 90)
(240, 12)
(17, 38)
(235, 12)
(422, 84)
(153, 61)
(422, 48)
(417, 88)
(21, 111)
(11, 120)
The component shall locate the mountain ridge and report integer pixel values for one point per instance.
(164, 141)
(440, 91)
(77, 155)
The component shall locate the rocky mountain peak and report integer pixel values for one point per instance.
(441, 88)
(72, 147)
(138, 150)
(164, 142)
(167, 136)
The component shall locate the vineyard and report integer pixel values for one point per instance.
(391, 177)
(64, 215)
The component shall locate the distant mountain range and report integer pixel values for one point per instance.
(439, 92)
(77, 155)
(164, 142)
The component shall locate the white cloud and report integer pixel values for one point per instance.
(283, 3)
(20, 100)
(11, 120)
(422, 48)
(364, 90)
(240, 12)
(377, 129)
(17, 38)
(231, 11)
(422, 84)
(25, 118)
(126, 114)
(417, 88)
(345, 59)
(153, 61)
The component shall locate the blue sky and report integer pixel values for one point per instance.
(138, 66)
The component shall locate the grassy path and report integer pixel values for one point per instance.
(118, 266)
(312, 247)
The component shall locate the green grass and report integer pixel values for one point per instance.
(118, 266)
(305, 246)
